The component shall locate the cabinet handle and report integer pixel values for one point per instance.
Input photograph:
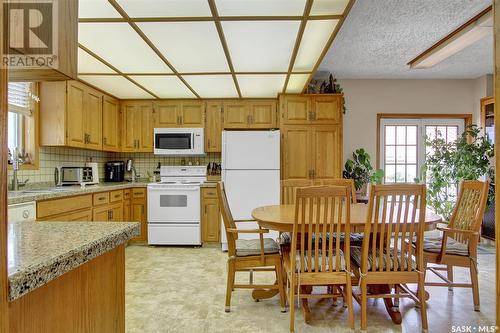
(310, 174)
(117, 195)
(111, 213)
(314, 173)
(101, 198)
(181, 121)
(104, 140)
(138, 143)
(314, 115)
(208, 143)
(252, 120)
(248, 119)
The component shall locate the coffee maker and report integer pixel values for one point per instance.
(114, 171)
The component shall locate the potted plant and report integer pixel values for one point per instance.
(360, 169)
(467, 158)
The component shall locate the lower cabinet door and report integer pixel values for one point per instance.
(116, 212)
(101, 214)
(210, 224)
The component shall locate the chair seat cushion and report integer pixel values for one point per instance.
(251, 247)
(433, 244)
(320, 262)
(356, 254)
(286, 238)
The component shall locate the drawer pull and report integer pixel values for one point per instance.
(117, 195)
(101, 198)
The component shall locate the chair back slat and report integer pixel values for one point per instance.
(289, 189)
(227, 218)
(395, 220)
(469, 209)
(321, 214)
(338, 182)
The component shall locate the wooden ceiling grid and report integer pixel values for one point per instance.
(217, 19)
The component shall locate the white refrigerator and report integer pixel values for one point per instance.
(251, 175)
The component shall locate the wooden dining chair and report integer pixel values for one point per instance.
(338, 182)
(458, 244)
(320, 212)
(255, 255)
(289, 189)
(396, 217)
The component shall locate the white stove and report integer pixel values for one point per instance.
(174, 206)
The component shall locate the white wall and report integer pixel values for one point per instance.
(366, 98)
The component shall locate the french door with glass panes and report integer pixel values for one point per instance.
(402, 145)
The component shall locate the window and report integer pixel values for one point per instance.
(402, 145)
(22, 120)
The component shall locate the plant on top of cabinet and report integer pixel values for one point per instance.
(70, 115)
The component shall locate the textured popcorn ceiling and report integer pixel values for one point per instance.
(379, 37)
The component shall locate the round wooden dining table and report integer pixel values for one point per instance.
(282, 218)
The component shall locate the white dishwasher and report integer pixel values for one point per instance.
(21, 212)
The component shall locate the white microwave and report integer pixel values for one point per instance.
(179, 141)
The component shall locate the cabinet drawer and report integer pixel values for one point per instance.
(64, 205)
(209, 192)
(138, 193)
(115, 196)
(127, 194)
(79, 216)
(101, 198)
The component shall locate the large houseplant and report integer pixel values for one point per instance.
(446, 164)
(360, 169)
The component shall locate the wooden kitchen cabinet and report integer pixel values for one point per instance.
(176, 113)
(108, 213)
(138, 212)
(210, 216)
(137, 126)
(313, 109)
(70, 115)
(249, 114)
(311, 152)
(47, 209)
(111, 121)
(213, 127)
(77, 216)
(296, 152)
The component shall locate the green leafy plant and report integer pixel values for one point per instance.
(446, 164)
(360, 169)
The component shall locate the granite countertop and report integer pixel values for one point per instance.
(67, 191)
(39, 252)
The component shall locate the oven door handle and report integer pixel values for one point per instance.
(174, 189)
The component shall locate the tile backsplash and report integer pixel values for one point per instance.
(50, 157)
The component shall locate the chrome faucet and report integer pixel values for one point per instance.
(17, 159)
(131, 168)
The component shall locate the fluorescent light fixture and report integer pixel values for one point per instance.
(467, 34)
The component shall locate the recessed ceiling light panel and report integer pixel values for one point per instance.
(260, 46)
(212, 86)
(260, 7)
(89, 64)
(329, 7)
(261, 85)
(116, 85)
(165, 8)
(316, 35)
(189, 46)
(296, 83)
(96, 9)
(121, 46)
(164, 86)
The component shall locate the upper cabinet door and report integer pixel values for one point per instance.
(93, 123)
(236, 114)
(263, 114)
(192, 114)
(295, 109)
(75, 115)
(296, 153)
(145, 130)
(327, 152)
(213, 126)
(167, 114)
(131, 122)
(327, 109)
(110, 124)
